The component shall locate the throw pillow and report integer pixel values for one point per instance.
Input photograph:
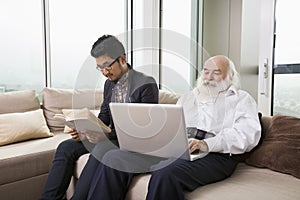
(16, 127)
(280, 148)
(54, 100)
(166, 97)
(18, 101)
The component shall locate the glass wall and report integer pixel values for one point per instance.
(163, 41)
(160, 45)
(286, 98)
(176, 45)
(74, 26)
(21, 40)
(145, 36)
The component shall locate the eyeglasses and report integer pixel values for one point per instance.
(106, 67)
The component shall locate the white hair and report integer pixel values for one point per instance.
(232, 75)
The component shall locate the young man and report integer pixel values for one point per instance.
(123, 84)
(216, 105)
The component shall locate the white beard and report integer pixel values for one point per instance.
(209, 91)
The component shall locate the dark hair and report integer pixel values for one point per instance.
(107, 45)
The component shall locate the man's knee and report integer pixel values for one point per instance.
(161, 174)
(102, 148)
(66, 145)
(112, 156)
(70, 149)
(117, 159)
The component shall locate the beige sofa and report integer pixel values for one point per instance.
(26, 151)
(25, 161)
(247, 182)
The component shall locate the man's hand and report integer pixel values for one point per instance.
(195, 144)
(94, 137)
(77, 136)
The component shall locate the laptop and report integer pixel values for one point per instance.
(153, 129)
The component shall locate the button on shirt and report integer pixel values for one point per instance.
(121, 89)
(231, 117)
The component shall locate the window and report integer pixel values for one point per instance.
(164, 43)
(74, 26)
(62, 58)
(286, 99)
(21, 39)
(145, 36)
(177, 46)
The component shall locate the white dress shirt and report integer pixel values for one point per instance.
(232, 118)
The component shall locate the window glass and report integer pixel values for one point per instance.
(176, 45)
(286, 95)
(74, 26)
(21, 39)
(145, 34)
(169, 61)
(287, 32)
(286, 98)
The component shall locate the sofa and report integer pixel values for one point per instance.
(29, 135)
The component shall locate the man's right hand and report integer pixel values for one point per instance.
(94, 137)
(77, 136)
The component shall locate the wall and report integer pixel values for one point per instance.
(249, 59)
(266, 54)
(231, 28)
(216, 27)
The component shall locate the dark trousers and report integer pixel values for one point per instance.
(62, 168)
(88, 172)
(169, 178)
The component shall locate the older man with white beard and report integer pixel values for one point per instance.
(226, 116)
(218, 106)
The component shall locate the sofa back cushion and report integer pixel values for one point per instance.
(54, 100)
(166, 97)
(18, 101)
(279, 149)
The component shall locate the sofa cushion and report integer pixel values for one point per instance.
(18, 101)
(28, 159)
(166, 97)
(246, 183)
(279, 150)
(15, 127)
(54, 100)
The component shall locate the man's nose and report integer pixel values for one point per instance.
(105, 72)
(210, 76)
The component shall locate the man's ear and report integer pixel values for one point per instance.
(123, 59)
(231, 75)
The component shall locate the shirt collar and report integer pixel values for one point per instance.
(123, 79)
(231, 91)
